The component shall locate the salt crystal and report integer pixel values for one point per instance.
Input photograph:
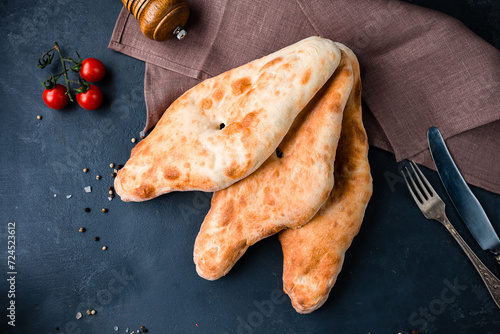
(79, 315)
(115, 328)
(110, 198)
(55, 195)
(68, 196)
(88, 189)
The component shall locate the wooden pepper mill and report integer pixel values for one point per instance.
(160, 19)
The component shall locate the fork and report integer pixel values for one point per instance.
(433, 207)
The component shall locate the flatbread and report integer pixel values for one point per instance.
(256, 103)
(284, 192)
(313, 254)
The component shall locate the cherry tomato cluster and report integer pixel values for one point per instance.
(88, 96)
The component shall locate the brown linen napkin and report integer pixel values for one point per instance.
(420, 68)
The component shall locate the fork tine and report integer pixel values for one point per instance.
(417, 200)
(433, 192)
(416, 188)
(419, 180)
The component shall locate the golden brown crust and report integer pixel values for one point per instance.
(285, 191)
(255, 119)
(313, 254)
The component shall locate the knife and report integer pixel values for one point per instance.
(467, 205)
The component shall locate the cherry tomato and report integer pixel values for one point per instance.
(91, 99)
(56, 97)
(92, 70)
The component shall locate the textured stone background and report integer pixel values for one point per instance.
(402, 271)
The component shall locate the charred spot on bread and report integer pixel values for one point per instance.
(228, 213)
(233, 171)
(206, 104)
(306, 76)
(241, 85)
(285, 67)
(222, 126)
(171, 173)
(145, 191)
(218, 95)
(272, 62)
(249, 118)
(236, 171)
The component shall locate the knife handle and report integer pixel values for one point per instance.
(491, 281)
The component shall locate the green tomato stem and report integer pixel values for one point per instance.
(65, 71)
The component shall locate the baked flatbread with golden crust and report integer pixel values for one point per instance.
(223, 129)
(314, 254)
(286, 191)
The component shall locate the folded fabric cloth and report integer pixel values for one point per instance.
(420, 68)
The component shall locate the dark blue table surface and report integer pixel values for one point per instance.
(402, 272)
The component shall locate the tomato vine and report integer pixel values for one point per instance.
(51, 81)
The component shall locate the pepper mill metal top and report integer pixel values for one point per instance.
(159, 20)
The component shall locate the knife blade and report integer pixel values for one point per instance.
(467, 205)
